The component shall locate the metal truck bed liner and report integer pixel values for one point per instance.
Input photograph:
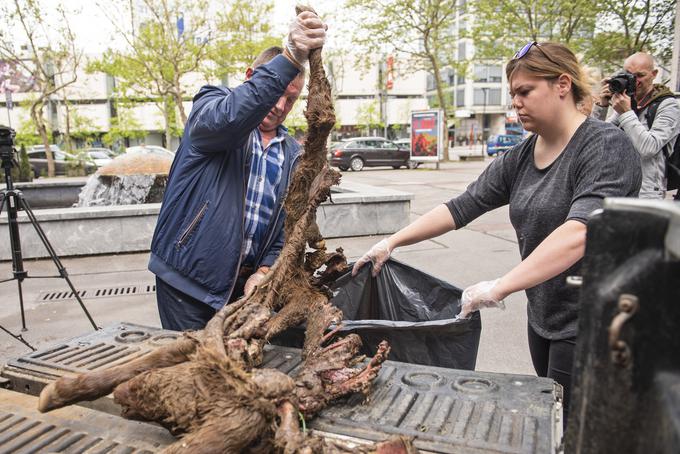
(447, 410)
(72, 429)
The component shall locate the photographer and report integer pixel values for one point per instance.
(638, 80)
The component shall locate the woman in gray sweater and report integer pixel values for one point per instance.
(551, 181)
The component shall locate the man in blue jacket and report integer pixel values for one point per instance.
(220, 227)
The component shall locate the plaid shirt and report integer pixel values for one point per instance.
(263, 182)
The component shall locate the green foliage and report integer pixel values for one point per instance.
(82, 129)
(368, 116)
(50, 54)
(27, 134)
(604, 32)
(629, 26)
(421, 30)
(23, 171)
(501, 27)
(296, 121)
(244, 32)
(123, 126)
(77, 166)
(156, 59)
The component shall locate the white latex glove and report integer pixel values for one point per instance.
(478, 296)
(306, 32)
(378, 254)
(253, 281)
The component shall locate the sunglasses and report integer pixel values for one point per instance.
(527, 47)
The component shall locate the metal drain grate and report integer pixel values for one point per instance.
(106, 292)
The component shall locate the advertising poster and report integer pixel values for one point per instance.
(426, 135)
(13, 78)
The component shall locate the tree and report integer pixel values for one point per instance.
(419, 29)
(51, 57)
(23, 171)
(27, 134)
(158, 55)
(244, 31)
(296, 121)
(629, 26)
(124, 126)
(501, 27)
(604, 32)
(368, 116)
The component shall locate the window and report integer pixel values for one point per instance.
(460, 97)
(450, 77)
(480, 73)
(479, 98)
(493, 96)
(38, 155)
(430, 82)
(462, 55)
(449, 98)
(495, 73)
(488, 73)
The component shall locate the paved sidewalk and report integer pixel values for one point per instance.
(483, 250)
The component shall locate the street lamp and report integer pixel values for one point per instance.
(486, 92)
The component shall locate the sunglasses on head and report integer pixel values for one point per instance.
(527, 47)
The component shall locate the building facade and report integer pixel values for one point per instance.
(364, 105)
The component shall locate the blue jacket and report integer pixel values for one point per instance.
(196, 247)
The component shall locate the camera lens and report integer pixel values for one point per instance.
(616, 85)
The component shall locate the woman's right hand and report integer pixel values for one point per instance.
(378, 255)
(481, 295)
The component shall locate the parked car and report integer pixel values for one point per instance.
(499, 144)
(153, 149)
(37, 158)
(359, 152)
(100, 156)
(404, 142)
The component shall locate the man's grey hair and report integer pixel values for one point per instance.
(268, 54)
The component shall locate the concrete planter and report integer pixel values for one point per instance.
(355, 210)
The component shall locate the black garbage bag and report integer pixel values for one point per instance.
(414, 311)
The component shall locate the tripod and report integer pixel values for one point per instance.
(14, 200)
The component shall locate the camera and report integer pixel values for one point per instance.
(7, 143)
(623, 82)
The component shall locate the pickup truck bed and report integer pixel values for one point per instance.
(446, 410)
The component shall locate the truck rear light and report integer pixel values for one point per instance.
(337, 153)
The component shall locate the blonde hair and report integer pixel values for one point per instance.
(549, 61)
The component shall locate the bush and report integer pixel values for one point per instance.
(23, 171)
(76, 167)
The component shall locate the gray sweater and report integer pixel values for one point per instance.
(649, 143)
(598, 162)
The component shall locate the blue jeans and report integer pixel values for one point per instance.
(179, 311)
